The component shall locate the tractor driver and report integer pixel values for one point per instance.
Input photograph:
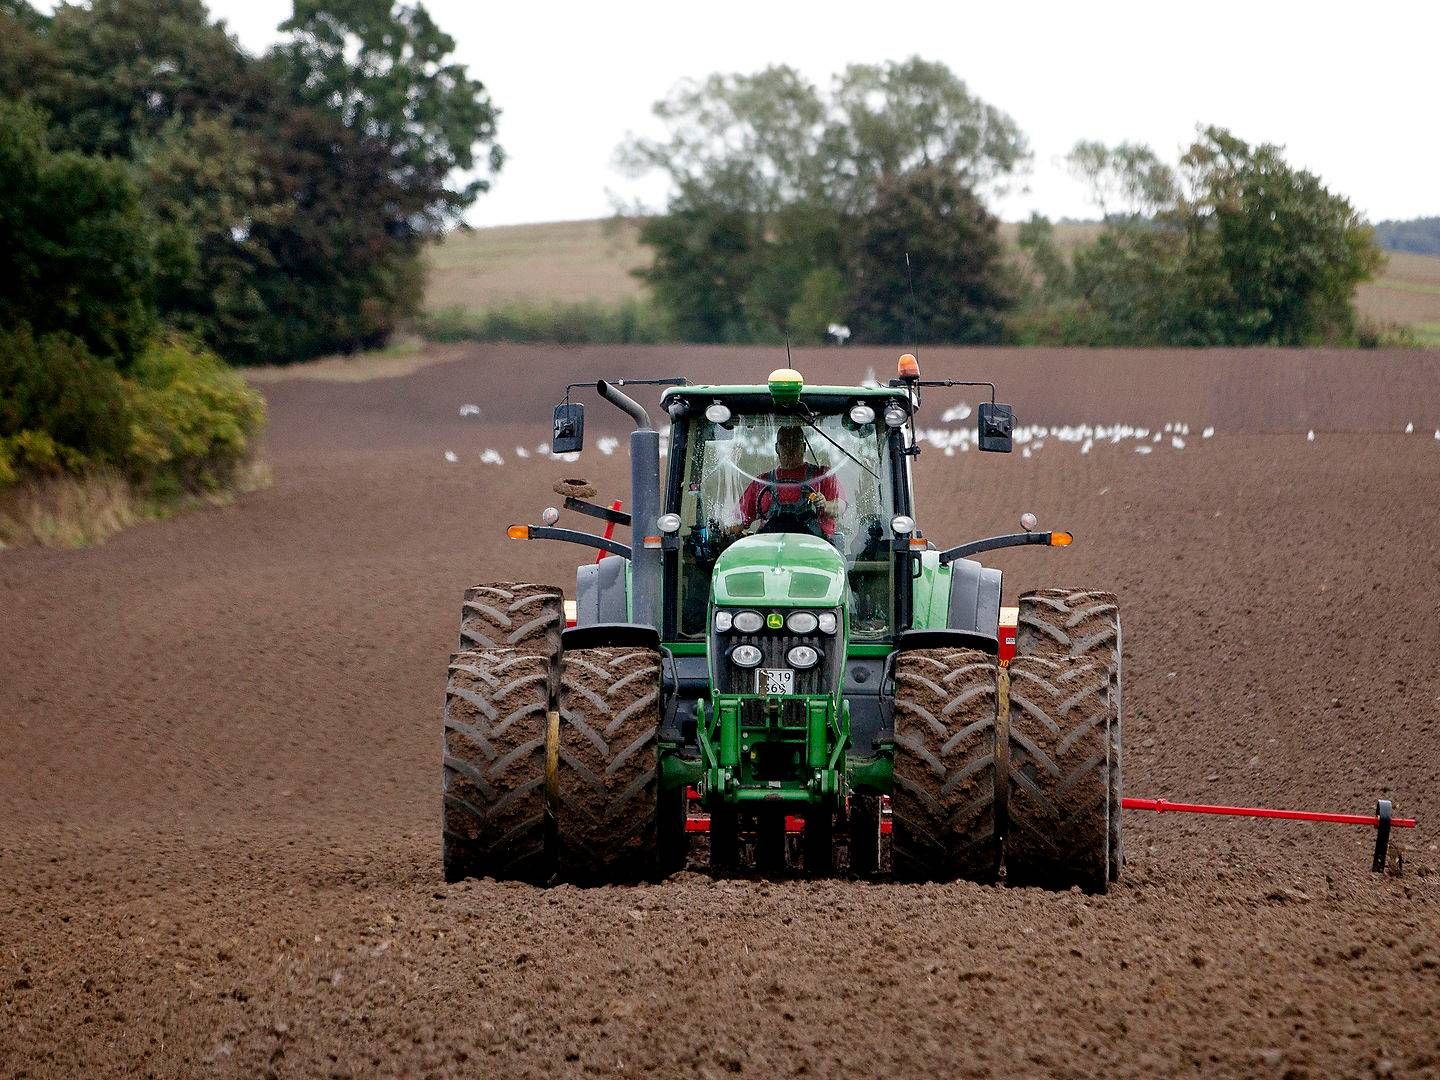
(792, 482)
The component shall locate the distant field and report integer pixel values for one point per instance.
(574, 261)
(568, 261)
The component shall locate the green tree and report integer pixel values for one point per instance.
(785, 175)
(703, 265)
(385, 71)
(889, 119)
(933, 219)
(290, 195)
(80, 258)
(1284, 253)
(1233, 247)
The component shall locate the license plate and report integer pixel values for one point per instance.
(777, 681)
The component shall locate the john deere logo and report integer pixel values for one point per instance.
(774, 621)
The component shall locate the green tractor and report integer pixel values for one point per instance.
(779, 642)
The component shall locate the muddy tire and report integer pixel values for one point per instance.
(512, 615)
(606, 791)
(493, 761)
(944, 814)
(1057, 769)
(1083, 623)
(864, 835)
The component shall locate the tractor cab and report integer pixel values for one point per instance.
(746, 467)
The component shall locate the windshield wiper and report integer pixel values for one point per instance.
(805, 418)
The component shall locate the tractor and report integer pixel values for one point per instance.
(779, 641)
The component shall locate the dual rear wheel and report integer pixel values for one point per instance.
(551, 759)
(1013, 767)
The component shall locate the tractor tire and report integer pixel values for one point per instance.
(513, 615)
(1082, 622)
(493, 817)
(1057, 773)
(864, 835)
(818, 842)
(607, 798)
(943, 811)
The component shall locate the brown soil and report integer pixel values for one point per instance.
(219, 783)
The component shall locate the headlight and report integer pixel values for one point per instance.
(827, 622)
(723, 619)
(895, 415)
(668, 523)
(801, 656)
(749, 622)
(861, 414)
(902, 524)
(717, 412)
(802, 622)
(746, 656)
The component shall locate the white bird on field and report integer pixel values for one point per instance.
(1310, 436)
(451, 456)
(1410, 429)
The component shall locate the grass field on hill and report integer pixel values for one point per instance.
(579, 261)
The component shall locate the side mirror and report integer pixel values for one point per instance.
(568, 436)
(997, 428)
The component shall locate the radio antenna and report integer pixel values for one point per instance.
(910, 280)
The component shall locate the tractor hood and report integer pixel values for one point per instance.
(781, 570)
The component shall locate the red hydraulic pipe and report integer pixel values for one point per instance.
(1164, 806)
(609, 529)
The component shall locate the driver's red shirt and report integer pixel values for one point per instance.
(755, 502)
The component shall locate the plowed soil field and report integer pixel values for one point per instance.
(219, 756)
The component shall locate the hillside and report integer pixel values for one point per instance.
(572, 261)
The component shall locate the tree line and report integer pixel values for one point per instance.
(792, 211)
(167, 198)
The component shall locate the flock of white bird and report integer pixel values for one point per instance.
(1030, 439)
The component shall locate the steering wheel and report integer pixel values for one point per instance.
(798, 516)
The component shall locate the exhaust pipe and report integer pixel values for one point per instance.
(645, 562)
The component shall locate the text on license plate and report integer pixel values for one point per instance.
(777, 681)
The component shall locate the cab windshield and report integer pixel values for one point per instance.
(767, 473)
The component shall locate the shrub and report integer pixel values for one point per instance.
(192, 419)
(179, 422)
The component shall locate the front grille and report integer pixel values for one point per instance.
(773, 648)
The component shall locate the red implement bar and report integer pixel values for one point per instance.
(1164, 806)
(609, 529)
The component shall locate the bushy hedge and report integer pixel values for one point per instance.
(177, 422)
(630, 322)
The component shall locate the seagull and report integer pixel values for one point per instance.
(1310, 436)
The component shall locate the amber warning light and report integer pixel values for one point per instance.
(909, 367)
(518, 532)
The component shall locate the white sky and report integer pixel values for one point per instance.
(1352, 90)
